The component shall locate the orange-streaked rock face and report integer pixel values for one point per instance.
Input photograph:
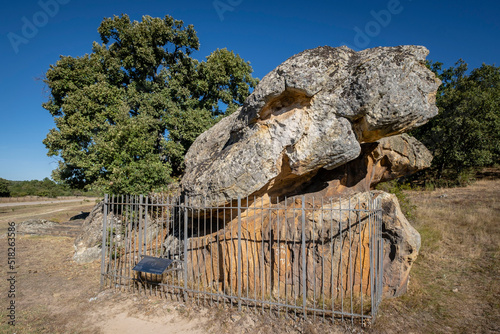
(325, 123)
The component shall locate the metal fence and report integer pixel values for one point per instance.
(295, 256)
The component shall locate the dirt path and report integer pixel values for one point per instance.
(59, 212)
(55, 201)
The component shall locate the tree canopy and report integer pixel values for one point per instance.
(4, 188)
(126, 114)
(465, 134)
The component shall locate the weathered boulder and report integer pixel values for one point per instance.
(35, 226)
(88, 242)
(384, 160)
(316, 125)
(337, 251)
(312, 112)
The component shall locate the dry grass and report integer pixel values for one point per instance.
(56, 212)
(52, 291)
(455, 285)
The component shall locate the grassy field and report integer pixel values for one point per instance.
(454, 285)
(455, 282)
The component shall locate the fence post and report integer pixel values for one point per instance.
(239, 254)
(104, 235)
(381, 258)
(140, 227)
(145, 236)
(304, 290)
(185, 246)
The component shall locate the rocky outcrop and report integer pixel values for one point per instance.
(326, 122)
(312, 112)
(337, 251)
(35, 226)
(387, 159)
(88, 243)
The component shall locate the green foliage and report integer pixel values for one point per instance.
(4, 188)
(44, 188)
(465, 135)
(127, 113)
(397, 188)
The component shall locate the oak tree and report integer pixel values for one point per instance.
(126, 113)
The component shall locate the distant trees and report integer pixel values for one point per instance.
(127, 113)
(44, 188)
(4, 188)
(465, 135)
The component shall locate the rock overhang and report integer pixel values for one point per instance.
(312, 112)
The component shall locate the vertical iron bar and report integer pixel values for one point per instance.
(332, 247)
(224, 280)
(341, 240)
(381, 256)
(286, 255)
(278, 249)
(304, 267)
(141, 229)
(239, 254)
(255, 253)
(360, 248)
(350, 257)
(219, 254)
(372, 266)
(185, 247)
(295, 284)
(198, 249)
(104, 237)
(262, 265)
(112, 243)
(322, 258)
(314, 260)
(270, 257)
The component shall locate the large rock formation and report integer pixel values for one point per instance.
(312, 112)
(316, 125)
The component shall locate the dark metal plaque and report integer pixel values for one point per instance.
(153, 265)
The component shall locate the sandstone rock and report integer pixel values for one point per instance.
(271, 249)
(35, 226)
(315, 125)
(312, 112)
(387, 159)
(401, 246)
(88, 243)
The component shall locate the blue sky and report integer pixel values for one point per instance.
(35, 33)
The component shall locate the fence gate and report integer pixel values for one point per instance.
(293, 256)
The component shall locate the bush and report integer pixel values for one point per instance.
(396, 188)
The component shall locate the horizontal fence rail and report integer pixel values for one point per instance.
(297, 256)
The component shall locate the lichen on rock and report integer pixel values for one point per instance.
(312, 112)
(327, 122)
